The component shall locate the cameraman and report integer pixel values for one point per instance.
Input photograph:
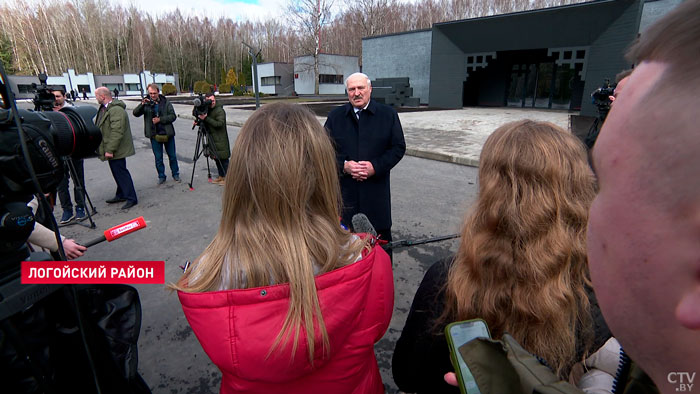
(63, 187)
(215, 121)
(603, 98)
(158, 119)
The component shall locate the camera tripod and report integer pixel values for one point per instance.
(79, 188)
(204, 147)
(594, 130)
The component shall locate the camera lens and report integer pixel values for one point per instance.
(74, 134)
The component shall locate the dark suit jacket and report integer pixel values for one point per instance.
(377, 138)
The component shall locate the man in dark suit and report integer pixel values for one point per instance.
(368, 143)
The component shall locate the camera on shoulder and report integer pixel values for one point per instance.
(601, 97)
(201, 105)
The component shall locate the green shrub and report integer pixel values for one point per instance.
(169, 89)
(238, 90)
(224, 88)
(202, 87)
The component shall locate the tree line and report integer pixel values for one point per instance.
(107, 38)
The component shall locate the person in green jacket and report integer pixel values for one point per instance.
(116, 145)
(215, 121)
(158, 117)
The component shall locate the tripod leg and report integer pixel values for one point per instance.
(593, 132)
(213, 154)
(208, 171)
(220, 164)
(79, 188)
(197, 154)
(206, 149)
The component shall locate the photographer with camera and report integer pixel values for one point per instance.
(215, 120)
(63, 192)
(158, 117)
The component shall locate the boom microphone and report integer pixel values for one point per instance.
(361, 224)
(408, 242)
(118, 231)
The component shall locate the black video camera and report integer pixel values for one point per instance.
(149, 101)
(31, 147)
(601, 98)
(201, 106)
(44, 99)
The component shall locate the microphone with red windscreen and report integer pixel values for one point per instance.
(119, 231)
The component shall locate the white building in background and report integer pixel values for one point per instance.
(276, 78)
(333, 70)
(129, 84)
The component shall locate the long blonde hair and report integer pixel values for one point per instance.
(281, 208)
(521, 264)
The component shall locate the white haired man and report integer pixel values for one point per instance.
(369, 142)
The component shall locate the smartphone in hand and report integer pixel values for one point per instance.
(458, 334)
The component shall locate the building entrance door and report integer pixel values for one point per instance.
(516, 91)
(531, 85)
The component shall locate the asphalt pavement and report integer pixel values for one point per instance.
(429, 198)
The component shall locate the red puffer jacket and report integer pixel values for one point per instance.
(238, 327)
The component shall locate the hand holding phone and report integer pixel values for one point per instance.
(458, 334)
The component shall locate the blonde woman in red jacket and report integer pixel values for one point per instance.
(284, 300)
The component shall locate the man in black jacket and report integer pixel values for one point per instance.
(369, 142)
(78, 187)
(158, 117)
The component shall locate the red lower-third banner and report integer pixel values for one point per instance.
(68, 272)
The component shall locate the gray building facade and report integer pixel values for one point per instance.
(395, 61)
(276, 78)
(547, 58)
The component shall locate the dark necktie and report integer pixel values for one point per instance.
(358, 114)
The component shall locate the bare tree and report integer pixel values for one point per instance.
(105, 37)
(308, 17)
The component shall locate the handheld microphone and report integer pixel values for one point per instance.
(118, 231)
(361, 224)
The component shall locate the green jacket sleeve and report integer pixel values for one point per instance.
(117, 124)
(216, 119)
